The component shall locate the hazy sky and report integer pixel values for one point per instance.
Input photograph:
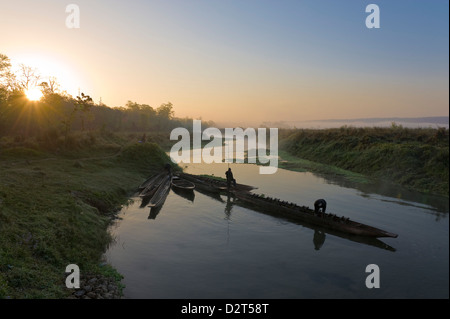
(246, 60)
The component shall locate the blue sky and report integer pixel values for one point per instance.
(243, 60)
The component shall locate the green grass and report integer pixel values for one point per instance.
(55, 209)
(293, 163)
(414, 158)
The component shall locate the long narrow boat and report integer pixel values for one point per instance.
(212, 185)
(182, 184)
(203, 184)
(306, 214)
(153, 184)
(161, 193)
(371, 241)
(148, 181)
(277, 207)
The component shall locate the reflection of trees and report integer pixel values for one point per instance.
(439, 204)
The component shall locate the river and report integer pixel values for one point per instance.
(207, 247)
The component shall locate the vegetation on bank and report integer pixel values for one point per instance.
(56, 206)
(417, 158)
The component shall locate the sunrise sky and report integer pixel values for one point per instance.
(246, 61)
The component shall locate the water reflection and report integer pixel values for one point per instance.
(228, 207)
(436, 203)
(154, 211)
(145, 201)
(186, 194)
(318, 239)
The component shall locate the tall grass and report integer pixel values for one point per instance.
(415, 158)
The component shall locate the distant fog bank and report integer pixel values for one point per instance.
(424, 122)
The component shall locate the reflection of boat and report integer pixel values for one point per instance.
(212, 195)
(305, 214)
(189, 195)
(182, 184)
(144, 202)
(154, 211)
(161, 193)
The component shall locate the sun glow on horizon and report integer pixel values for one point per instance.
(47, 65)
(34, 93)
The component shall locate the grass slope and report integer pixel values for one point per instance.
(415, 158)
(55, 209)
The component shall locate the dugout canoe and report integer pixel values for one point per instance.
(305, 214)
(161, 193)
(212, 185)
(152, 184)
(182, 184)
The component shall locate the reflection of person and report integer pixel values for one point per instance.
(230, 178)
(320, 206)
(318, 239)
(228, 208)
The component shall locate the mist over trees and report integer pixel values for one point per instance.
(60, 113)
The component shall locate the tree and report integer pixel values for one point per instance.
(165, 114)
(84, 104)
(7, 78)
(165, 111)
(51, 86)
(133, 106)
(5, 67)
(28, 77)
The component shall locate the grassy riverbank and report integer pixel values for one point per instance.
(57, 203)
(415, 158)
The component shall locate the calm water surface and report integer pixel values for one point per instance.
(206, 247)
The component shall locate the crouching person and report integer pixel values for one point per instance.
(320, 206)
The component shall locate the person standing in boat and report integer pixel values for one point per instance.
(230, 178)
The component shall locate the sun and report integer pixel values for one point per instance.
(33, 94)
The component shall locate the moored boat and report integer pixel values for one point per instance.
(161, 193)
(182, 184)
(306, 214)
(213, 185)
(152, 184)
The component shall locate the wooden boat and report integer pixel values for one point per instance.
(161, 193)
(182, 184)
(213, 185)
(148, 181)
(305, 214)
(152, 184)
(277, 207)
(202, 184)
(371, 241)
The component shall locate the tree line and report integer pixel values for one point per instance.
(59, 112)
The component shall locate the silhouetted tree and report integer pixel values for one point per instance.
(28, 77)
(84, 104)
